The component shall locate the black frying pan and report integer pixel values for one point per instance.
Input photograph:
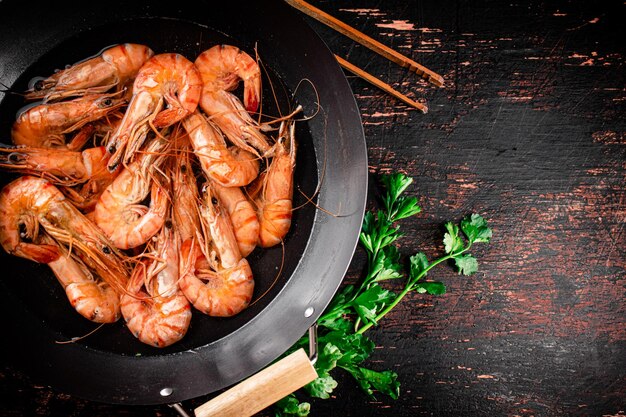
(111, 365)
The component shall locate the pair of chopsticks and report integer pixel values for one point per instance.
(375, 46)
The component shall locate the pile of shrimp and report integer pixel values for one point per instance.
(146, 182)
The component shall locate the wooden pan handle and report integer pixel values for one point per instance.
(262, 389)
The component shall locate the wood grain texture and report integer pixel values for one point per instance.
(529, 132)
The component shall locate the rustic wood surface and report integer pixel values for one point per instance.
(529, 132)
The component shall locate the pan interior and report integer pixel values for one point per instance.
(36, 287)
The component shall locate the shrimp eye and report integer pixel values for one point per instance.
(23, 231)
(38, 85)
(15, 157)
(106, 250)
(107, 102)
(183, 169)
(168, 224)
(213, 200)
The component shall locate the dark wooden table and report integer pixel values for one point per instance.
(529, 132)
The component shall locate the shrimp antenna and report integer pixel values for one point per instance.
(77, 338)
(309, 199)
(278, 274)
(272, 87)
(257, 58)
(6, 89)
(288, 117)
(318, 106)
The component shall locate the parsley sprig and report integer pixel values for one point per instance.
(356, 308)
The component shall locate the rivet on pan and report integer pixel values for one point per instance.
(166, 392)
(309, 312)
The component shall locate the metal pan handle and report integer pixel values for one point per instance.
(262, 389)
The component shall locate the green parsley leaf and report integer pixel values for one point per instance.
(291, 407)
(395, 184)
(451, 240)
(368, 223)
(387, 234)
(430, 287)
(405, 207)
(382, 234)
(339, 304)
(327, 358)
(386, 265)
(370, 302)
(386, 382)
(338, 323)
(354, 347)
(476, 229)
(398, 207)
(467, 264)
(367, 241)
(418, 264)
(321, 387)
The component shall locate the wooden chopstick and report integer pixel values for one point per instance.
(365, 40)
(380, 84)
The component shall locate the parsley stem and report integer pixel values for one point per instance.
(409, 287)
(385, 311)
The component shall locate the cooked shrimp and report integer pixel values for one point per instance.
(274, 201)
(115, 67)
(220, 227)
(82, 176)
(185, 199)
(242, 215)
(164, 78)
(32, 208)
(219, 283)
(221, 293)
(91, 298)
(221, 68)
(230, 167)
(155, 309)
(60, 166)
(48, 125)
(119, 211)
